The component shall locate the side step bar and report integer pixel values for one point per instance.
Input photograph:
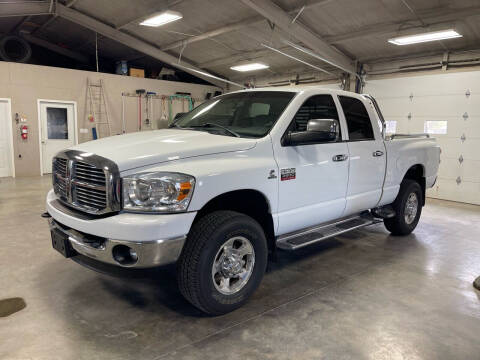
(315, 234)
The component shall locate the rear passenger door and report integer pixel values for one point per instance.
(367, 157)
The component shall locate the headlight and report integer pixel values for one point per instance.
(157, 192)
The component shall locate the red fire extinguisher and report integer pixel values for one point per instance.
(24, 132)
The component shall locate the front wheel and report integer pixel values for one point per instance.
(223, 262)
(408, 208)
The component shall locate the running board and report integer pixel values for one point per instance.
(315, 234)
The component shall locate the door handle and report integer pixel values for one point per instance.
(377, 153)
(340, 157)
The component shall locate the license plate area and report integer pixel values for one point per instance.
(61, 243)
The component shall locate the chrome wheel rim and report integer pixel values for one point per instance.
(233, 265)
(411, 208)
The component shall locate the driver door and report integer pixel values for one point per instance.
(314, 177)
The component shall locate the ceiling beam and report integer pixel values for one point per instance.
(280, 18)
(24, 8)
(55, 48)
(252, 21)
(431, 17)
(53, 18)
(70, 3)
(243, 56)
(132, 42)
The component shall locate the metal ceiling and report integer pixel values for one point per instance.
(214, 35)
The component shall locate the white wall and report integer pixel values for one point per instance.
(24, 84)
(415, 99)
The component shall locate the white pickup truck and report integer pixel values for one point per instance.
(233, 180)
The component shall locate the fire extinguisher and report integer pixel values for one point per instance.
(24, 132)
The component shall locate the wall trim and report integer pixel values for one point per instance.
(10, 129)
(75, 137)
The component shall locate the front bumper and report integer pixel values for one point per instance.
(156, 239)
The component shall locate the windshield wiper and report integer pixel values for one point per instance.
(231, 132)
(174, 124)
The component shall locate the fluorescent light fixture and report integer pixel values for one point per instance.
(162, 18)
(250, 67)
(425, 37)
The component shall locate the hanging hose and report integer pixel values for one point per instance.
(139, 112)
(15, 49)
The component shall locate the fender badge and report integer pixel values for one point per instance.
(287, 174)
(272, 175)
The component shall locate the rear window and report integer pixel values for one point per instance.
(358, 121)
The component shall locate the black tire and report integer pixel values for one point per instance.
(194, 268)
(398, 224)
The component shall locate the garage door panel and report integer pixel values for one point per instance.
(469, 170)
(451, 147)
(447, 189)
(441, 106)
(398, 107)
(470, 149)
(449, 168)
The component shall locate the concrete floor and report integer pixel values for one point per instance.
(365, 295)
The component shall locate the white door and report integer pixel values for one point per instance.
(312, 185)
(6, 165)
(367, 157)
(448, 106)
(57, 122)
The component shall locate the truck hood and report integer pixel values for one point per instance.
(152, 147)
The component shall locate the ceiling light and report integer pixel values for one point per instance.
(162, 18)
(250, 67)
(425, 37)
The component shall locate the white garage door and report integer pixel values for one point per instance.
(447, 105)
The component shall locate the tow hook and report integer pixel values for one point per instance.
(46, 215)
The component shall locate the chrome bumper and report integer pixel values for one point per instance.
(149, 253)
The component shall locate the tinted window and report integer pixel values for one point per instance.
(316, 107)
(249, 114)
(358, 121)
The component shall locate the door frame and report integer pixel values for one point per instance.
(75, 138)
(10, 132)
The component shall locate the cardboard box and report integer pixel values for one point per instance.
(136, 72)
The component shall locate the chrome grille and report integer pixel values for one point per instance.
(91, 197)
(89, 173)
(59, 171)
(88, 183)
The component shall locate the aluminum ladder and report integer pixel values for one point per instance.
(98, 108)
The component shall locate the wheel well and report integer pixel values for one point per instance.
(249, 202)
(417, 173)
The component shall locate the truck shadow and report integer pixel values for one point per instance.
(145, 307)
(326, 262)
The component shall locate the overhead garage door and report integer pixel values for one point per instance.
(447, 105)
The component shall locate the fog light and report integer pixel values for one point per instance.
(124, 255)
(133, 254)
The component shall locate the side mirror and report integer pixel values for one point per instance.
(178, 115)
(318, 130)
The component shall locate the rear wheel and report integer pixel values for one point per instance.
(222, 262)
(408, 208)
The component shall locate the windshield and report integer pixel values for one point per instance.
(245, 114)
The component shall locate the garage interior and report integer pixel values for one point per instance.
(363, 294)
